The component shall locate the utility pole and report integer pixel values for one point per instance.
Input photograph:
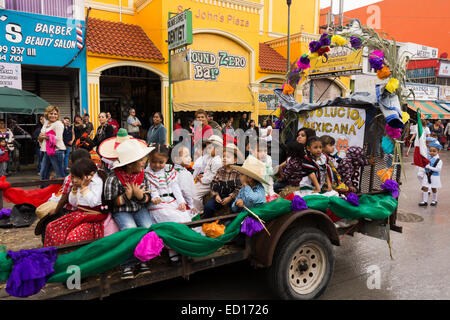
(288, 36)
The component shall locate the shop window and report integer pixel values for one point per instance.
(56, 8)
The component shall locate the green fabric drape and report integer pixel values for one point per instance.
(111, 251)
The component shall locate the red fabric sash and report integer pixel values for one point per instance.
(129, 178)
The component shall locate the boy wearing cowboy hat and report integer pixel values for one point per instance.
(226, 183)
(126, 190)
(211, 162)
(252, 192)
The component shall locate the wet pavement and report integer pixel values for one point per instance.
(419, 270)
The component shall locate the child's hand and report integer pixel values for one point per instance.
(86, 181)
(218, 199)
(156, 200)
(329, 188)
(182, 207)
(226, 201)
(128, 190)
(371, 160)
(316, 190)
(194, 210)
(138, 191)
(199, 177)
(240, 203)
(352, 189)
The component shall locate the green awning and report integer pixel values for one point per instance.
(21, 101)
(429, 109)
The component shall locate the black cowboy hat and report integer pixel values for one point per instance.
(22, 215)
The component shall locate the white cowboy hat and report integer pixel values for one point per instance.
(253, 168)
(130, 151)
(107, 149)
(231, 147)
(214, 139)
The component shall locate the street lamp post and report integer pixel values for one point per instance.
(288, 36)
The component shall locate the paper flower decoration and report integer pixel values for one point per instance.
(5, 213)
(340, 41)
(356, 42)
(376, 59)
(383, 73)
(298, 204)
(314, 46)
(405, 117)
(377, 53)
(304, 62)
(323, 50)
(353, 199)
(287, 89)
(213, 229)
(324, 40)
(385, 174)
(392, 85)
(250, 226)
(149, 247)
(394, 133)
(392, 186)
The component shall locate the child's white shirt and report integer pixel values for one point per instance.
(91, 197)
(164, 182)
(186, 184)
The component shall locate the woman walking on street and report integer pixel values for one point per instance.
(52, 144)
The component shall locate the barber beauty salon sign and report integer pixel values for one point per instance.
(346, 125)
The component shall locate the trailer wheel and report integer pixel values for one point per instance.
(303, 264)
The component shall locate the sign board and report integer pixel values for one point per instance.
(180, 67)
(35, 39)
(207, 65)
(267, 100)
(422, 91)
(444, 93)
(179, 30)
(11, 75)
(340, 61)
(444, 69)
(418, 51)
(345, 124)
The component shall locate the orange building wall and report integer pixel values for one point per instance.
(416, 21)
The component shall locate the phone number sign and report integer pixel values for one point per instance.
(179, 30)
(28, 38)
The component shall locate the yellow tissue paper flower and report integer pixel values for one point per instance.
(392, 85)
(340, 41)
(313, 55)
(405, 116)
(277, 112)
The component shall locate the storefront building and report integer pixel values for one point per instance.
(41, 51)
(238, 56)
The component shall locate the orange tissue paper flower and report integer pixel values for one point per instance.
(287, 89)
(383, 73)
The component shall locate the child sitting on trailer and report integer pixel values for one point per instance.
(252, 192)
(126, 191)
(86, 222)
(328, 143)
(181, 157)
(258, 149)
(317, 172)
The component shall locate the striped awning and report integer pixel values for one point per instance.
(430, 109)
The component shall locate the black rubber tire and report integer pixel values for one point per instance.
(278, 273)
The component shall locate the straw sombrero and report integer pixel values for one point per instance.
(216, 140)
(253, 168)
(107, 149)
(130, 151)
(233, 148)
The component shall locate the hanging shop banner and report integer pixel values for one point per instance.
(267, 100)
(11, 75)
(340, 61)
(207, 65)
(423, 91)
(444, 93)
(179, 30)
(444, 69)
(180, 66)
(35, 39)
(346, 125)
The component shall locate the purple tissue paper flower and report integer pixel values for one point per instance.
(5, 213)
(298, 204)
(353, 199)
(392, 186)
(279, 124)
(324, 40)
(304, 62)
(355, 42)
(314, 46)
(376, 63)
(251, 226)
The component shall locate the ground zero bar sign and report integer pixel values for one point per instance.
(179, 30)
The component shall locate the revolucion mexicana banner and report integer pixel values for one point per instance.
(346, 125)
